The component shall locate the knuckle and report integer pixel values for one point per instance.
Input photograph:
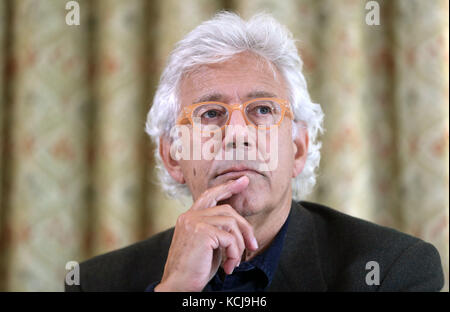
(232, 238)
(185, 221)
(205, 199)
(225, 227)
(199, 227)
(207, 194)
(227, 208)
(181, 219)
(199, 201)
(202, 197)
(233, 221)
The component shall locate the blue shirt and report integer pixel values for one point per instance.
(253, 275)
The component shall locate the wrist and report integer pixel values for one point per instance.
(161, 287)
(168, 286)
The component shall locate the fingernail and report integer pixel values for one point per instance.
(241, 179)
(255, 243)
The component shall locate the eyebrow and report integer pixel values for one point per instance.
(217, 97)
(211, 97)
(260, 94)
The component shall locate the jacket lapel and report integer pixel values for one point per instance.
(299, 265)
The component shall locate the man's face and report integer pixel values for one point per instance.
(240, 79)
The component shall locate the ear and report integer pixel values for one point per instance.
(300, 150)
(172, 165)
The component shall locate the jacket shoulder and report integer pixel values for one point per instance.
(131, 268)
(347, 244)
(331, 223)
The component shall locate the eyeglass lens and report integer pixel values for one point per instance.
(264, 112)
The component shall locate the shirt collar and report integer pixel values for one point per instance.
(267, 261)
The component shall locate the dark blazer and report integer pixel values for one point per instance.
(324, 250)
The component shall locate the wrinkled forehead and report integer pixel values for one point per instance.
(239, 78)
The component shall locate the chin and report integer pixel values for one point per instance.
(244, 204)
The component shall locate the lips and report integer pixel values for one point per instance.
(236, 172)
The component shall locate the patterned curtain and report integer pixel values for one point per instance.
(77, 174)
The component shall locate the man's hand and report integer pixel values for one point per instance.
(204, 236)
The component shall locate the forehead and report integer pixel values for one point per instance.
(243, 76)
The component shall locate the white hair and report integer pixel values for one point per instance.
(215, 41)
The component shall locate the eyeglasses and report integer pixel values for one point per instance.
(259, 112)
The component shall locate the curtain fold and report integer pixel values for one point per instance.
(422, 103)
(121, 97)
(380, 122)
(50, 108)
(343, 74)
(3, 26)
(3, 30)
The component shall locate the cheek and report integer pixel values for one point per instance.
(284, 141)
(285, 153)
(196, 175)
(287, 142)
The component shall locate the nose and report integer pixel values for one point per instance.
(237, 118)
(237, 133)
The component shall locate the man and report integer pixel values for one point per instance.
(238, 87)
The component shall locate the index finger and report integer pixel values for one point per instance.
(211, 196)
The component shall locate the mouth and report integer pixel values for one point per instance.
(236, 172)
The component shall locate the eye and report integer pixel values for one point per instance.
(212, 113)
(263, 110)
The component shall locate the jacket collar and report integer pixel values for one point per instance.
(299, 265)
